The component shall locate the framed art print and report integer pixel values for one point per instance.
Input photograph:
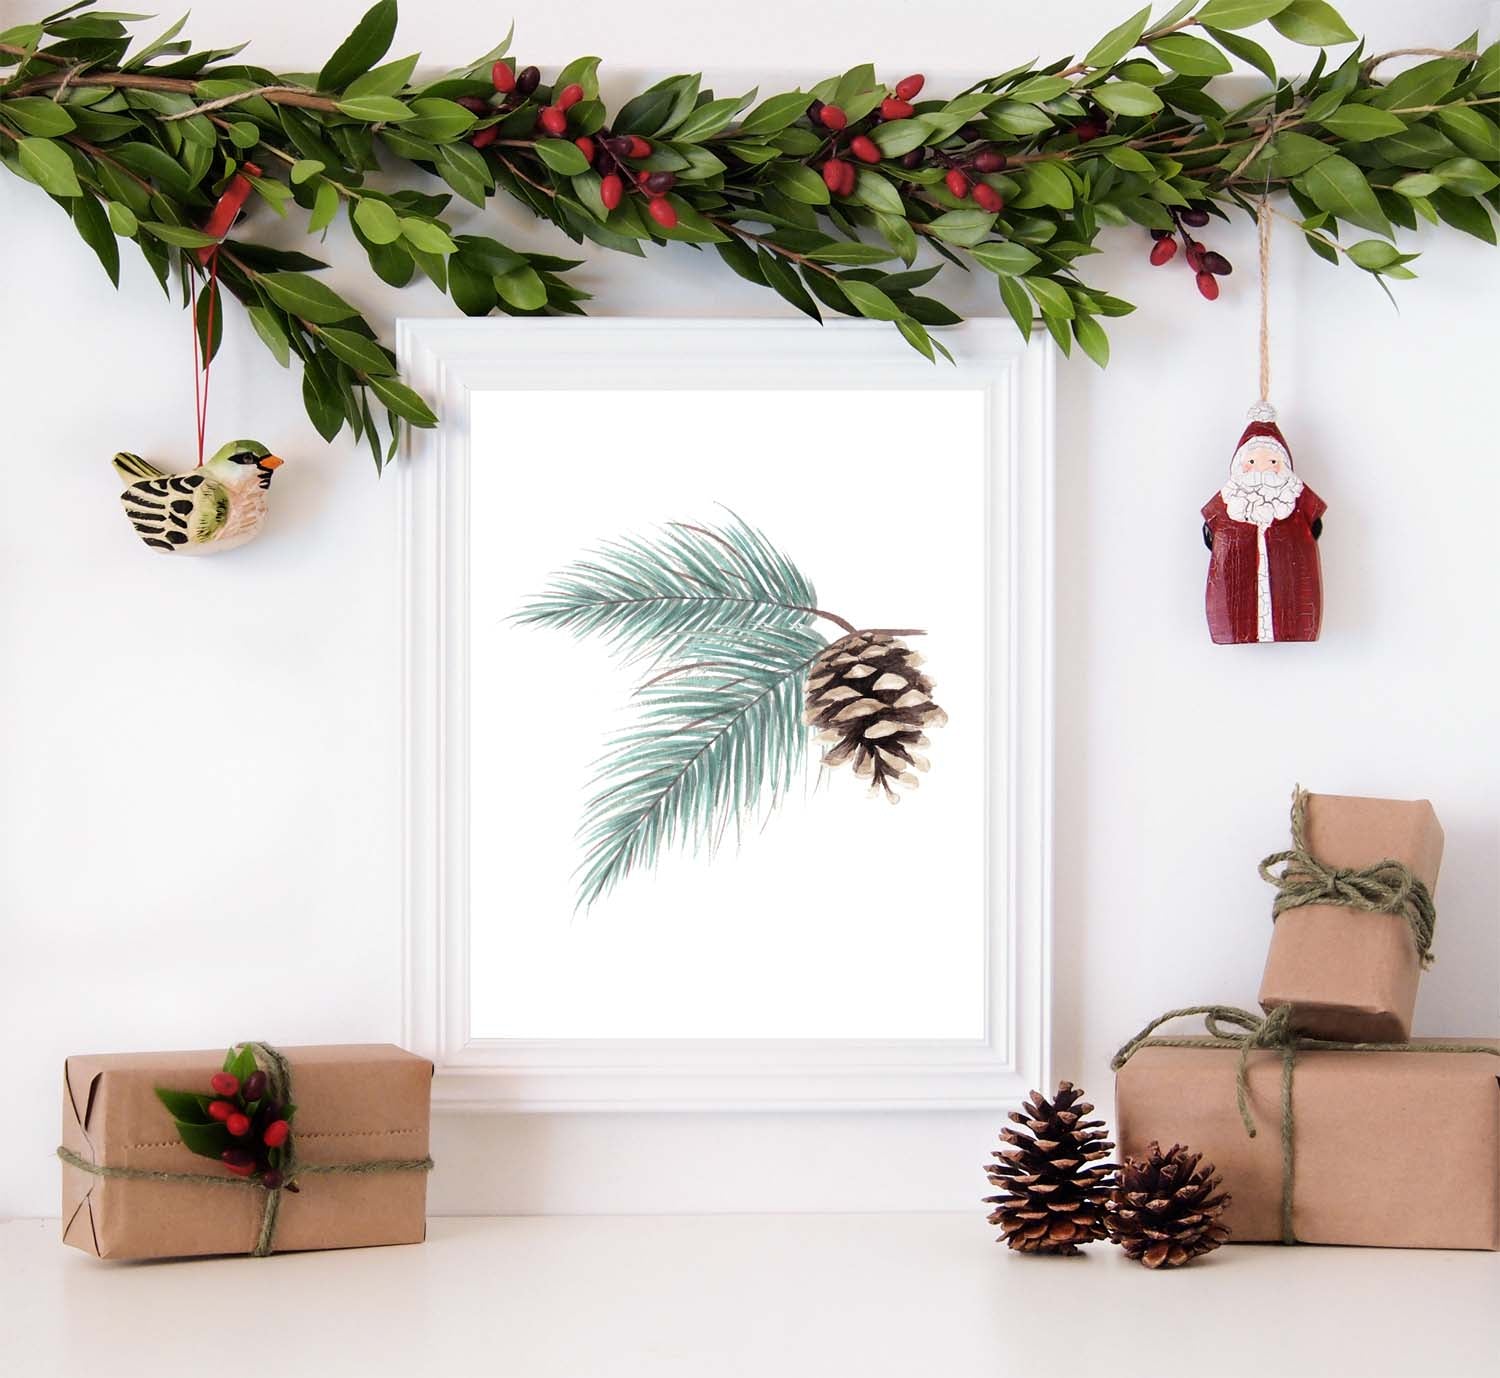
(727, 714)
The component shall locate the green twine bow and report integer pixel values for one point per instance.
(279, 1073)
(1387, 887)
(1272, 1032)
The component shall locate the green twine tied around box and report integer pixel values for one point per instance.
(1272, 1032)
(1387, 887)
(279, 1073)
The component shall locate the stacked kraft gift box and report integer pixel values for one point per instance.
(1329, 1123)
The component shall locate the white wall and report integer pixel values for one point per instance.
(197, 759)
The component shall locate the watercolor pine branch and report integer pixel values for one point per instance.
(739, 678)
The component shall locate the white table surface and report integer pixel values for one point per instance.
(820, 1296)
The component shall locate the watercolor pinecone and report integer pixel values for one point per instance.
(871, 703)
(1052, 1184)
(1164, 1211)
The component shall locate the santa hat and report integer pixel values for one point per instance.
(1262, 428)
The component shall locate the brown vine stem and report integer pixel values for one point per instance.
(144, 81)
(267, 91)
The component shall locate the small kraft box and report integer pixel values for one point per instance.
(1354, 916)
(1362, 1161)
(348, 1167)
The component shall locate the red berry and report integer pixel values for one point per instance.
(990, 160)
(832, 117)
(639, 147)
(270, 1179)
(863, 147)
(1087, 130)
(988, 198)
(833, 175)
(1216, 263)
(225, 1083)
(238, 1125)
(569, 96)
(908, 88)
(958, 184)
(486, 136)
(641, 177)
(527, 80)
(276, 1133)
(1208, 284)
(1163, 251)
(474, 105)
(1195, 217)
(585, 146)
(611, 189)
(239, 1162)
(1195, 256)
(893, 109)
(503, 79)
(554, 121)
(662, 211)
(220, 1110)
(659, 183)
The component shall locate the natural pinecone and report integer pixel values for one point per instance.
(871, 702)
(1163, 1211)
(1053, 1186)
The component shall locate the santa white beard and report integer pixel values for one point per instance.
(1262, 496)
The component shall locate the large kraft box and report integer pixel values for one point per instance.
(1400, 1149)
(1349, 974)
(356, 1103)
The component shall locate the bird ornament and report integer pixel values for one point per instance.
(217, 506)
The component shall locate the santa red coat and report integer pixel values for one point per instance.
(1296, 576)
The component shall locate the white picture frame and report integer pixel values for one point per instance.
(450, 361)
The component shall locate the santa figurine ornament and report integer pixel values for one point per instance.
(1265, 581)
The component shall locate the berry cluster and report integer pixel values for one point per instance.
(1207, 265)
(245, 1110)
(612, 156)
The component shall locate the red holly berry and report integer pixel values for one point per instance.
(1216, 263)
(527, 80)
(662, 211)
(838, 177)
(1163, 251)
(908, 88)
(659, 183)
(255, 1086)
(863, 147)
(225, 1083)
(270, 1179)
(958, 184)
(914, 159)
(639, 147)
(569, 96)
(1195, 256)
(893, 109)
(503, 78)
(238, 1125)
(276, 1133)
(988, 198)
(989, 160)
(486, 136)
(239, 1161)
(832, 117)
(220, 1110)
(641, 177)
(554, 120)
(1194, 216)
(1208, 284)
(585, 146)
(474, 105)
(1087, 130)
(611, 189)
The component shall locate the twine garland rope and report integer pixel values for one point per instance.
(279, 1073)
(1272, 1032)
(1264, 221)
(1387, 887)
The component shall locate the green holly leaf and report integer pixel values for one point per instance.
(774, 114)
(1117, 42)
(1193, 57)
(564, 158)
(375, 109)
(300, 295)
(38, 115)
(357, 351)
(268, 326)
(1340, 188)
(365, 46)
(1313, 23)
(403, 401)
(1127, 98)
(1360, 123)
(1239, 14)
(1092, 339)
(48, 165)
(1004, 257)
(185, 1106)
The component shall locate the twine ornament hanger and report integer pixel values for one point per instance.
(201, 368)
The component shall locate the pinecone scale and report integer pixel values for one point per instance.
(871, 704)
(1165, 1208)
(1052, 1181)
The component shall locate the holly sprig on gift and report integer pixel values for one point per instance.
(849, 198)
(238, 1121)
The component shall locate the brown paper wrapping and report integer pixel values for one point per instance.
(1400, 1149)
(356, 1103)
(1349, 975)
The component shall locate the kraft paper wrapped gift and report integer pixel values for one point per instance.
(1348, 973)
(1400, 1149)
(356, 1104)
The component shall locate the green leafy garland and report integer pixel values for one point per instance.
(140, 147)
